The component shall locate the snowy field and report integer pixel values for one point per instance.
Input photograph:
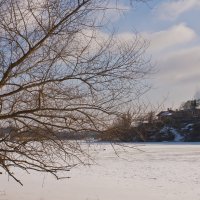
(143, 172)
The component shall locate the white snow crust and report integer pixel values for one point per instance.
(143, 172)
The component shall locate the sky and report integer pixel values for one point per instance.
(172, 28)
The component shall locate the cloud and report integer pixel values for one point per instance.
(197, 93)
(176, 55)
(176, 52)
(174, 8)
(164, 40)
(174, 36)
(181, 67)
(178, 75)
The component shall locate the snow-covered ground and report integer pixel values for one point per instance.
(160, 171)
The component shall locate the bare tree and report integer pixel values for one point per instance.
(60, 72)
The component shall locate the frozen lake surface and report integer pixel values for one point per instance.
(143, 172)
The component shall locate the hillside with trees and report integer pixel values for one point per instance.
(180, 125)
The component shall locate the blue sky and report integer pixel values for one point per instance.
(173, 29)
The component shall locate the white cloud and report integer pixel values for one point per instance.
(181, 67)
(163, 40)
(178, 76)
(172, 37)
(174, 8)
(176, 53)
